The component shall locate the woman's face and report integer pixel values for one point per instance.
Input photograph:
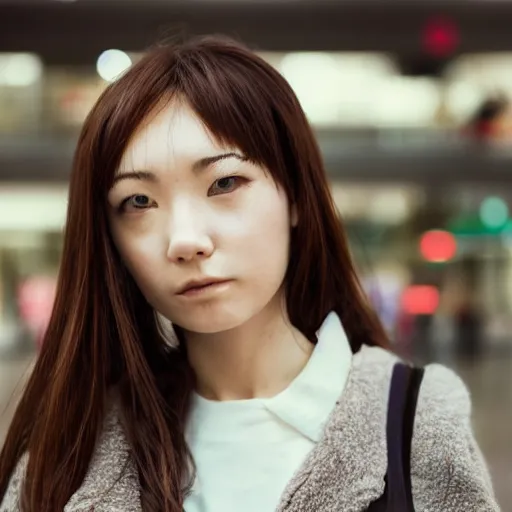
(185, 211)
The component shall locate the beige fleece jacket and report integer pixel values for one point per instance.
(345, 471)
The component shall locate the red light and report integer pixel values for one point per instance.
(438, 246)
(440, 37)
(420, 300)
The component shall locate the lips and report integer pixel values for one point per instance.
(198, 284)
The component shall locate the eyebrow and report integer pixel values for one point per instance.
(203, 163)
(135, 175)
(199, 165)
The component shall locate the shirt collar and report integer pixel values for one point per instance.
(310, 398)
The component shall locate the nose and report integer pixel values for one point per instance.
(188, 238)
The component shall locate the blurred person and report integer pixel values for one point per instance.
(210, 348)
(35, 296)
(469, 329)
(491, 121)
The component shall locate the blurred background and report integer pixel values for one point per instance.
(411, 103)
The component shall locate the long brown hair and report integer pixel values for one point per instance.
(104, 336)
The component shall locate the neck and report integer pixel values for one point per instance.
(257, 359)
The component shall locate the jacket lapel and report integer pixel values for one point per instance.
(346, 470)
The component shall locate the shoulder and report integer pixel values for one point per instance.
(110, 484)
(447, 468)
(442, 424)
(11, 499)
(443, 401)
(442, 397)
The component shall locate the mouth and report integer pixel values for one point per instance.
(194, 288)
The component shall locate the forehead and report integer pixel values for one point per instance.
(173, 133)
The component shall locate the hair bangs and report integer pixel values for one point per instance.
(241, 101)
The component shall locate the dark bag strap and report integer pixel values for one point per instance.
(403, 397)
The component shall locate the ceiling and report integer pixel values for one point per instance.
(75, 32)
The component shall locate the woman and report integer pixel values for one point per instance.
(198, 197)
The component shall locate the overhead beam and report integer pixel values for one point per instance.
(50, 161)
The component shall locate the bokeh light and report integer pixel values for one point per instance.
(494, 212)
(420, 300)
(438, 246)
(112, 63)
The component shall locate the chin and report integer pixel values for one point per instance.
(224, 314)
(212, 321)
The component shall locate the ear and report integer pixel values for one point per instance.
(294, 216)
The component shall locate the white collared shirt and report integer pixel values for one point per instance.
(246, 451)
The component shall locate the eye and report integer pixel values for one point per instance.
(137, 201)
(225, 185)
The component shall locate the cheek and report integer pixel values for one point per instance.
(265, 235)
(140, 255)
